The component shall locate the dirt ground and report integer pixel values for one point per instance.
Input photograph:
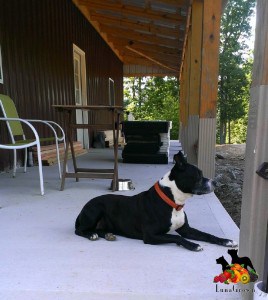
(230, 160)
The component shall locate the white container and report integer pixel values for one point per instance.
(258, 293)
(124, 185)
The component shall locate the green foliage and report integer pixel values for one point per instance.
(235, 68)
(153, 98)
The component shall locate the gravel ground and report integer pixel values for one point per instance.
(230, 160)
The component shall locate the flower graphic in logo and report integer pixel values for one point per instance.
(240, 270)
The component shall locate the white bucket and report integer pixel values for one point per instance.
(258, 293)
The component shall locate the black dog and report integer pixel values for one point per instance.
(240, 260)
(223, 262)
(150, 215)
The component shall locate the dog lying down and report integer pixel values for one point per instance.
(151, 215)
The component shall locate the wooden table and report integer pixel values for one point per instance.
(70, 125)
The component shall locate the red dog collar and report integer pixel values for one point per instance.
(166, 198)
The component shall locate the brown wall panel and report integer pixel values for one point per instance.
(36, 39)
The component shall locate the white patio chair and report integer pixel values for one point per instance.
(15, 129)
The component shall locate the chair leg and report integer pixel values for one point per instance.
(40, 169)
(14, 162)
(64, 142)
(25, 160)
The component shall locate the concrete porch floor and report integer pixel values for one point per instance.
(42, 258)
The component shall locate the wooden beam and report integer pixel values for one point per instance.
(147, 45)
(189, 15)
(175, 63)
(210, 58)
(140, 60)
(137, 60)
(196, 56)
(175, 59)
(153, 60)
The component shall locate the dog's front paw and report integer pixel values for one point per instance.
(94, 237)
(192, 246)
(230, 243)
(110, 237)
(198, 248)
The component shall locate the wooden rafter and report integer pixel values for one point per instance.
(146, 32)
(129, 10)
(96, 25)
(138, 36)
(147, 46)
(135, 25)
(153, 60)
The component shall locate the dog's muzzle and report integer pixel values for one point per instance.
(205, 187)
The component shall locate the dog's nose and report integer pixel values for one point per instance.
(214, 183)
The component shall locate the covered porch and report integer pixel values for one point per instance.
(42, 258)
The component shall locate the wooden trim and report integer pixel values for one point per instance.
(210, 58)
(196, 56)
(186, 36)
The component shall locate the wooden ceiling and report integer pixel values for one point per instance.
(148, 36)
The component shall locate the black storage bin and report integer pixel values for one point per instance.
(143, 142)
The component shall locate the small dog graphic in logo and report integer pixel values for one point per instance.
(223, 262)
(240, 260)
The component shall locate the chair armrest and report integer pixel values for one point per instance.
(37, 139)
(49, 124)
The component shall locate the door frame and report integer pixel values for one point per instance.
(81, 116)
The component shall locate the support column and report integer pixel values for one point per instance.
(209, 86)
(190, 84)
(199, 82)
(254, 213)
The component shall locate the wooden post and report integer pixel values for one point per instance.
(254, 214)
(200, 83)
(209, 86)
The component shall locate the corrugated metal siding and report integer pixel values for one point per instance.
(192, 139)
(37, 39)
(206, 146)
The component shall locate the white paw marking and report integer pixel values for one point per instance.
(199, 248)
(232, 244)
(94, 237)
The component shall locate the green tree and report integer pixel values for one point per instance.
(234, 68)
(153, 98)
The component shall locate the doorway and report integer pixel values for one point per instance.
(80, 90)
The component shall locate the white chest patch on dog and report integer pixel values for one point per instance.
(178, 195)
(177, 219)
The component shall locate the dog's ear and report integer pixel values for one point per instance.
(180, 160)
